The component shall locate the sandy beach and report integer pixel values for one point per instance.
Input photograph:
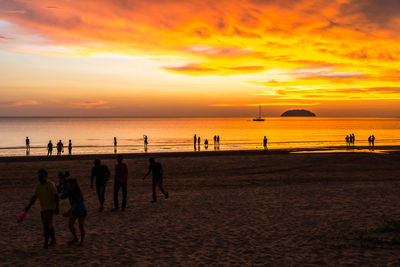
(226, 208)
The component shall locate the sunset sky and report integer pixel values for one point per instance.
(199, 57)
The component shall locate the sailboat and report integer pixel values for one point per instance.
(259, 118)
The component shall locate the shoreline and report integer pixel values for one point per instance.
(324, 150)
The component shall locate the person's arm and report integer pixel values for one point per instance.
(147, 174)
(108, 174)
(31, 202)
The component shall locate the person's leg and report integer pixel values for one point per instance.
(153, 188)
(72, 228)
(116, 190)
(102, 195)
(124, 195)
(82, 229)
(52, 231)
(160, 185)
(46, 231)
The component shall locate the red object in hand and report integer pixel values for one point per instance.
(22, 216)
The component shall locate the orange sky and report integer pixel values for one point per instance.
(195, 58)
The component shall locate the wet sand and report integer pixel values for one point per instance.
(239, 208)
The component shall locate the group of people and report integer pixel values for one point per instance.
(371, 141)
(49, 194)
(60, 148)
(350, 139)
(197, 142)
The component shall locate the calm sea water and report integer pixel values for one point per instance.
(95, 135)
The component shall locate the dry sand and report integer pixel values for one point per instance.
(225, 209)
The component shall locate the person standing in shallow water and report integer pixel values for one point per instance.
(265, 141)
(70, 147)
(49, 148)
(156, 170)
(121, 181)
(47, 194)
(60, 148)
(146, 142)
(28, 144)
(101, 173)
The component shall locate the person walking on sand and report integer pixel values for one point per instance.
(353, 139)
(115, 144)
(121, 180)
(77, 211)
(60, 148)
(28, 144)
(194, 140)
(265, 141)
(49, 148)
(347, 140)
(101, 173)
(157, 172)
(369, 141)
(46, 193)
(373, 140)
(198, 141)
(70, 147)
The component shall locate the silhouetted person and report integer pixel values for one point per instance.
(28, 144)
(218, 140)
(70, 147)
(353, 139)
(198, 141)
(49, 148)
(46, 193)
(373, 140)
(265, 141)
(206, 143)
(347, 140)
(369, 140)
(60, 148)
(145, 141)
(121, 181)
(115, 144)
(157, 172)
(101, 173)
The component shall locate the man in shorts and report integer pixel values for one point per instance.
(101, 173)
(157, 172)
(47, 194)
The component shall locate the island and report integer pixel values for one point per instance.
(298, 113)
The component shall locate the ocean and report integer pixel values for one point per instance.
(95, 135)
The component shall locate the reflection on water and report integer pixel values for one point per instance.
(96, 135)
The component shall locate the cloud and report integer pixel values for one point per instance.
(248, 68)
(324, 73)
(190, 68)
(295, 103)
(25, 103)
(90, 105)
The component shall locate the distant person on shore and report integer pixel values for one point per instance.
(194, 140)
(115, 144)
(121, 181)
(369, 140)
(373, 140)
(60, 148)
(70, 147)
(77, 211)
(265, 142)
(157, 172)
(218, 140)
(347, 140)
(46, 193)
(101, 173)
(198, 142)
(206, 143)
(28, 144)
(146, 142)
(49, 148)
(353, 139)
